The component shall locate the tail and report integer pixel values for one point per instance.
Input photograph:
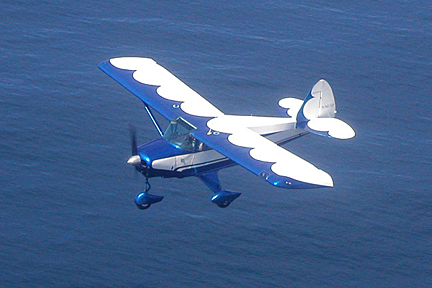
(316, 115)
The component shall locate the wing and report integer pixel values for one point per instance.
(261, 156)
(159, 89)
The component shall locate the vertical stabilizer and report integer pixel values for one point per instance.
(319, 103)
(317, 113)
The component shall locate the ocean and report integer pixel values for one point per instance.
(67, 213)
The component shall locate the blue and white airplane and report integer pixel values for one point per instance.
(200, 139)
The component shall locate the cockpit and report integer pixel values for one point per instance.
(179, 132)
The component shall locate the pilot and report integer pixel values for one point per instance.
(200, 146)
(188, 142)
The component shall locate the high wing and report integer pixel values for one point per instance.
(170, 97)
(261, 156)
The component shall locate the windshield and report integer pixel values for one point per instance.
(178, 133)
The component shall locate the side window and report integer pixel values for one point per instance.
(178, 133)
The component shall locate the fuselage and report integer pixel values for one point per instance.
(164, 159)
(167, 158)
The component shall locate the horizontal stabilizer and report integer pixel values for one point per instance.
(330, 127)
(290, 106)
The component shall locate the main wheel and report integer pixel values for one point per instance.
(144, 206)
(224, 205)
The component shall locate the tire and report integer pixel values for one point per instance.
(224, 205)
(144, 207)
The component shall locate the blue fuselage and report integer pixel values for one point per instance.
(164, 159)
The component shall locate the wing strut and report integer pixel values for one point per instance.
(156, 124)
(221, 198)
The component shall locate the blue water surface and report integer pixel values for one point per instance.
(67, 212)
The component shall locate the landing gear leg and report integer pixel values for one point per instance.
(147, 185)
(143, 200)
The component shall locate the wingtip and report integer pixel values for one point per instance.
(324, 181)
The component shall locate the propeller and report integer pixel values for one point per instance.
(133, 137)
(135, 159)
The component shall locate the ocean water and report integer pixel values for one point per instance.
(66, 209)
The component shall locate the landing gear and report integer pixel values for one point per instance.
(147, 185)
(224, 198)
(223, 205)
(221, 197)
(143, 200)
(143, 206)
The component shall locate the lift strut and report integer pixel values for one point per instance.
(147, 108)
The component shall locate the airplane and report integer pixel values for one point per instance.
(200, 139)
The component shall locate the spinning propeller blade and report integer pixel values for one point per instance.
(135, 159)
(132, 132)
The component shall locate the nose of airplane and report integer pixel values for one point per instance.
(135, 160)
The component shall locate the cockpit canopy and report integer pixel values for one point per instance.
(179, 132)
